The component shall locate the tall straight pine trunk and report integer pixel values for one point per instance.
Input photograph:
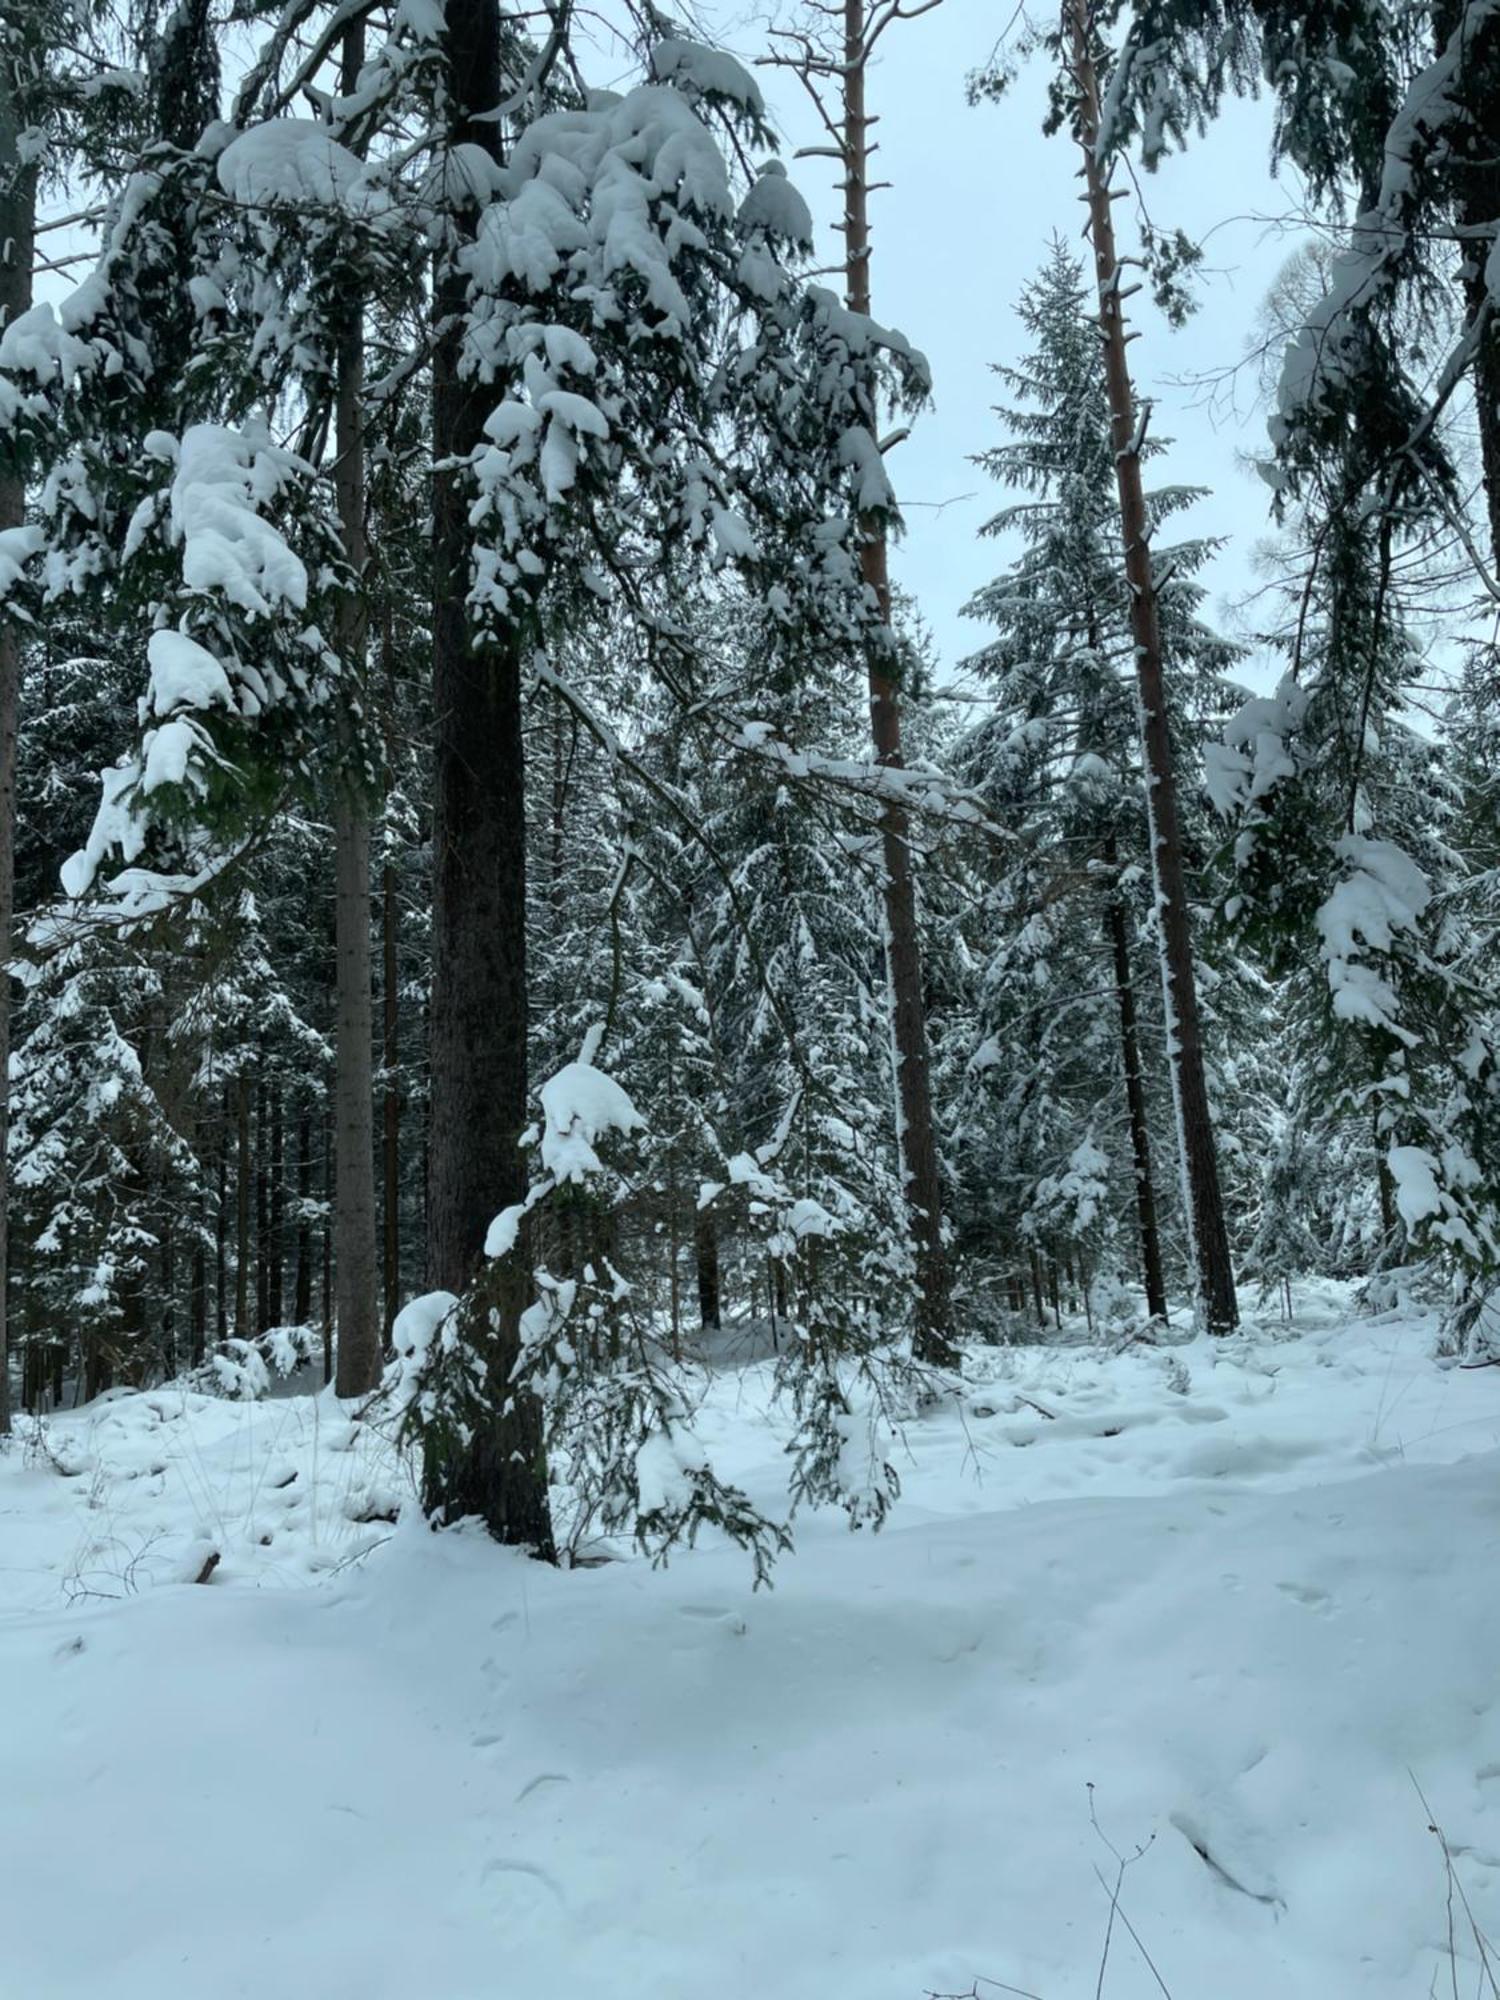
(390, 1128)
(921, 1179)
(1213, 1272)
(478, 1015)
(354, 1253)
(17, 236)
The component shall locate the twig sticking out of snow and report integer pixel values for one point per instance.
(1455, 1889)
(1123, 1861)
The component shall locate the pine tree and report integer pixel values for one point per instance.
(1058, 759)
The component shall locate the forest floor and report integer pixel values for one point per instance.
(1238, 1615)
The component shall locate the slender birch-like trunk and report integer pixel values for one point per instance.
(1213, 1272)
(354, 1251)
(17, 237)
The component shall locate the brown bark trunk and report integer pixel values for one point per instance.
(1118, 937)
(922, 1181)
(355, 1257)
(478, 1015)
(17, 234)
(1213, 1272)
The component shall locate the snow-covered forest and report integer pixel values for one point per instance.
(582, 1022)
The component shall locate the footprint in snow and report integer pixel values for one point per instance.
(542, 1778)
(502, 1869)
(1308, 1594)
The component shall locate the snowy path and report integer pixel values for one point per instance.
(1247, 1618)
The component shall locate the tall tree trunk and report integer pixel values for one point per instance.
(921, 1178)
(355, 1258)
(276, 1238)
(262, 1210)
(327, 1245)
(221, 1227)
(242, 1210)
(478, 1018)
(198, 1300)
(1116, 932)
(1213, 1272)
(17, 236)
(390, 1057)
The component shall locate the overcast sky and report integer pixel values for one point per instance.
(976, 195)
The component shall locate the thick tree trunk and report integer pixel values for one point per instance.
(478, 1019)
(921, 1178)
(706, 1256)
(1213, 1272)
(17, 234)
(355, 1257)
(1117, 935)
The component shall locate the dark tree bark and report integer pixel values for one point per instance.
(919, 1160)
(355, 1259)
(221, 1226)
(275, 1240)
(706, 1256)
(327, 1246)
(262, 1210)
(478, 1019)
(390, 1056)
(17, 236)
(1213, 1272)
(242, 1209)
(1117, 935)
(198, 1301)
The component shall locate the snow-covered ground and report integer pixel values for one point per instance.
(1240, 1602)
